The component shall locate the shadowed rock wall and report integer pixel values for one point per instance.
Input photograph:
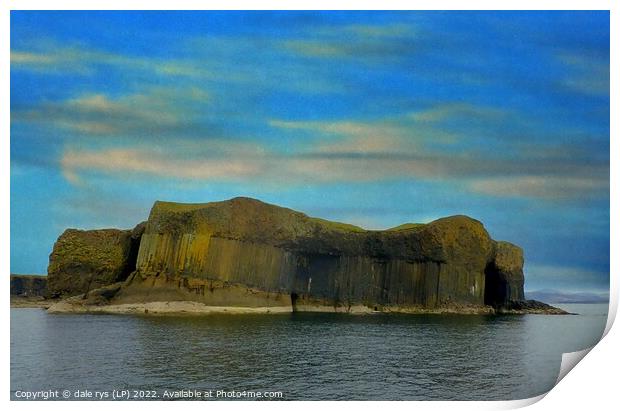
(504, 276)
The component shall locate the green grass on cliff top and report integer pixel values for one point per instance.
(338, 226)
(334, 225)
(406, 226)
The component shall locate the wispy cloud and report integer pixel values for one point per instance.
(588, 74)
(217, 61)
(213, 81)
(450, 111)
(213, 160)
(164, 109)
(413, 145)
(259, 165)
(52, 58)
(350, 151)
(549, 187)
(365, 43)
(385, 136)
(392, 30)
(407, 148)
(20, 57)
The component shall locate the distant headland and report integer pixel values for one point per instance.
(243, 255)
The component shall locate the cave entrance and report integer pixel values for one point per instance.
(494, 287)
(294, 298)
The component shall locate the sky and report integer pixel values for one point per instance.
(369, 118)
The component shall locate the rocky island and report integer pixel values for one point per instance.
(243, 255)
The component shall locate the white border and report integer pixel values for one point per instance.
(310, 5)
(592, 384)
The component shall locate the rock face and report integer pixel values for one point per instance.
(245, 253)
(504, 281)
(28, 285)
(86, 260)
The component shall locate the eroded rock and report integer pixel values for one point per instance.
(504, 276)
(86, 260)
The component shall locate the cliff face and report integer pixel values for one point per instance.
(86, 260)
(504, 284)
(245, 252)
(28, 285)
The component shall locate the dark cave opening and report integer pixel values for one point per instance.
(495, 288)
(294, 298)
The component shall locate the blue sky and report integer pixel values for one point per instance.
(371, 118)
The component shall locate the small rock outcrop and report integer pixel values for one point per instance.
(28, 285)
(86, 260)
(529, 307)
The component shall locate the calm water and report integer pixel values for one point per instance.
(305, 356)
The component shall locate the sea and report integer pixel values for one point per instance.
(297, 356)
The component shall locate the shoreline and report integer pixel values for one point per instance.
(161, 308)
(75, 306)
(31, 302)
